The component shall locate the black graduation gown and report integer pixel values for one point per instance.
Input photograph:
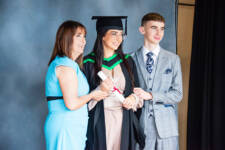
(131, 130)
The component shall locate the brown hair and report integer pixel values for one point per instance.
(152, 17)
(99, 55)
(64, 40)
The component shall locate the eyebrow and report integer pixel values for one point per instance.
(80, 33)
(157, 26)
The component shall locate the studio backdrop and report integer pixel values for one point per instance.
(27, 36)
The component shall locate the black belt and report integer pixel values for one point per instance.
(51, 98)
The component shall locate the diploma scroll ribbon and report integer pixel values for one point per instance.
(115, 91)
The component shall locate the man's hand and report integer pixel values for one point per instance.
(142, 94)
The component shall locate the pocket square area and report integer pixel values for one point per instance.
(168, 71)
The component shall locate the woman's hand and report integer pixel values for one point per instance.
(129, 102)
(107, 85)
(98, 95)
(142, 94)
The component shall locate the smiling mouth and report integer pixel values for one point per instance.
(116, 44)
(82, 45)
(157, 38)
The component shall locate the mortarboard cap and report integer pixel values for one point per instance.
(110, 22)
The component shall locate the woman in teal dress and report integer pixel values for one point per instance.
(67, 91)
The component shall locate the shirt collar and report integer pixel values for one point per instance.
(155, 51)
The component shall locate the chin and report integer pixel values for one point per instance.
(113, 48)
(80, 52)
(116, 47)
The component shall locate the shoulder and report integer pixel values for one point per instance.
(132, 54)
(129, 59)
(169, 54)
(65, 61)
(66, 67)
(64, 71)
(136, 51)
(88, 63)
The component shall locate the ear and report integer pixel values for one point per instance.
(142, 30)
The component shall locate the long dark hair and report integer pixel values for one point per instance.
(99, 56)
(64, 40)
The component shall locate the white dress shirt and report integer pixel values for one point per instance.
(155, 51)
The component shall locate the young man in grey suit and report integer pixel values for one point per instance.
(160, 80)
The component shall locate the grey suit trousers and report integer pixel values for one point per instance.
(155, 142)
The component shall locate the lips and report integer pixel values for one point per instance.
(157, 38)
(81, 46)
(116, 44)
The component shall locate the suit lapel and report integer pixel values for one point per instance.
(142, 65)
(161, 63)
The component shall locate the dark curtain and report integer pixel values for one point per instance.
(206, 109)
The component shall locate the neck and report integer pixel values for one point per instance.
(150, 46)
(75, 56)
(108, 52)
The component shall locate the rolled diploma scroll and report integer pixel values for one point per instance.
(116, 91)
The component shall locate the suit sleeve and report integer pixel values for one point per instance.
(175, 92)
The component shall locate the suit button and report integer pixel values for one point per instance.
(150, 78)
(150, 89)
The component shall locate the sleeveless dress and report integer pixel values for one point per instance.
(65, 129)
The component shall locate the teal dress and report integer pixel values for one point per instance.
(65, 129)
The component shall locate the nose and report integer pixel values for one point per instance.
(158, 31)
(119, 38)
(84, 40)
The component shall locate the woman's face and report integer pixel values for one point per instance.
(79, 40)
(112, 39)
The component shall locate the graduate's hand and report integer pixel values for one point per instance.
(107, 85)
(98, 95)
(129, 102)
(142, 94)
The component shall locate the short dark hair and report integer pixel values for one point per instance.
(152, 17)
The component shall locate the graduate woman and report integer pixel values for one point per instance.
(67, 91)
(112, 124)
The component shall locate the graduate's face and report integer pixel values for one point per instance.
(79, 40)
(112, 39)
(153, 31)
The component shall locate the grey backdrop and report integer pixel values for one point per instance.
(27, 34)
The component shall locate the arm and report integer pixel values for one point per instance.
(175, 92)
(69, 84)
(133, 101)
(105, 86)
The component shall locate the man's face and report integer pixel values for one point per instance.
(153, 31)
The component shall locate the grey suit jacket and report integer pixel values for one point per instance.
(166, 90)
